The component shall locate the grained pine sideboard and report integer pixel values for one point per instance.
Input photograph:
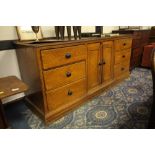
(63, 75)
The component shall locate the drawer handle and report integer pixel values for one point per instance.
(124, 44)
(68, 74)
(70, 93)
(100, 63)
(68, 55)
(122, 68)
(123, 56)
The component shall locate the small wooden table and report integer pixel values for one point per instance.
(9, 86)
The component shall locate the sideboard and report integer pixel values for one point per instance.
(62, 75)
(140, 39)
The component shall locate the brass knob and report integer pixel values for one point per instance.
(68, 74)
(68, 55)
(70, 93)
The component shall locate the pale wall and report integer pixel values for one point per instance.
(9, 66)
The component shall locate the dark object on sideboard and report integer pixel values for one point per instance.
(97, 33)
(35, 30)
(69, 32)
(79, 31)
(99, 30)
(62, 31)
(140, 39)
(57, 32)
(75, 32)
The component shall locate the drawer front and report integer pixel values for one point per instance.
(64, 75)
(124, 55)
(122, 44)
(92, 47)
(125, 43)
(64, 96)
(60, 56)
(120, 69)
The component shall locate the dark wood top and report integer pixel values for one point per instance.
(128, 30)
(55, 42)
(11, 85)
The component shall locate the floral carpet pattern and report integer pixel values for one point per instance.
(125, 106)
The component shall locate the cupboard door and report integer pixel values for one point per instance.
(94, 75)
(107, 58)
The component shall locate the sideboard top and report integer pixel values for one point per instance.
(54, 42)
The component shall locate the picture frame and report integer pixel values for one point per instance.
(134, 27)
(123, 27)
(25, 33)
(90, 31)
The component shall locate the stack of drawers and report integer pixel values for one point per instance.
(122, 57)
(64, 73)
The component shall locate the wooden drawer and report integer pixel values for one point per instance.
(92, 47)
(64, 75)
(122, 44)
(125, 43)
(123, 55)
(121, 68)
(64, 96)
(60, 56)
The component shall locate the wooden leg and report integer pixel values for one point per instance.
(3, 121)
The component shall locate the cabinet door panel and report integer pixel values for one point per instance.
(93, 65)
(107, 73)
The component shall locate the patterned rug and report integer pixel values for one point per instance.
(125, 106)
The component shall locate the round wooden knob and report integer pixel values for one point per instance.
(70, 93)
(68, 55)
(122, 68)
(100, 63)
(68, 74)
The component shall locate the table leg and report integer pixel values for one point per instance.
(3, 121)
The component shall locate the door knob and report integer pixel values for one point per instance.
(122, 68)
(100, 63)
